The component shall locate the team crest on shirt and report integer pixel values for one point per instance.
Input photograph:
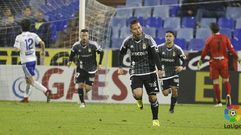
(89, 50)
(144, 46)
(174, 54)
(163, 53)
(132, 46)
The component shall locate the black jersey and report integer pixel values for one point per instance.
(86, 55)
(142, 55)
(170, 58)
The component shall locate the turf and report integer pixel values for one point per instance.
(39, 118)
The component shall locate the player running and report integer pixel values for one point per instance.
(173, 62)
(85, 53)
(25, 43)
(142, 71)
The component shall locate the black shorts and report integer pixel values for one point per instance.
(149, 81)
(82, 76)
(166, 84)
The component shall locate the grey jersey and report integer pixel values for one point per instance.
(141, 54)
(170, 58)
(86, 55)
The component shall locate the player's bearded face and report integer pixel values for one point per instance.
(169, 38)
(136, 30)
(84, 36)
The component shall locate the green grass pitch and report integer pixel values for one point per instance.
(39, 118)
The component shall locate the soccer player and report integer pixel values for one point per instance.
(218, 46)
(25, 43)
(173, 62)
(85, 50)
(142, 70)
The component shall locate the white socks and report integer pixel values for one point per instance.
(39, 86)
(27, 91)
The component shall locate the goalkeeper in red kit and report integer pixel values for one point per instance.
(218, 46)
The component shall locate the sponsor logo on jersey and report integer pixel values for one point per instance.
(144, 46)
(139, 53)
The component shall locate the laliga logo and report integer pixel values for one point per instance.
(232, 113)
(19, 85)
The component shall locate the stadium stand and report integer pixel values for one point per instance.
(233, 12)
(161, 11)
(196, 44)
(143, 12)
(156, 22)
(150, 31)
(124, 13)
(189, 22)
(203, 33)
(206, 21)
(118, 22)
(238, 23)
(181, 42)
(151, 2)
(172, 22)
(226, 22)
(169, 2)
(133, 3)
(185, 33)
(227, 32)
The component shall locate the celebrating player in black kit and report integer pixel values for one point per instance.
(85, 53)
(142, 49)
(172, 60)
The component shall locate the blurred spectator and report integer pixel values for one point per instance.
(42, 28)
(8, 29)
(36, 3)
(188, 8)
(8, 17)
(210, 9)
(26, 14)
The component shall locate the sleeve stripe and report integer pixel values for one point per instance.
(152, 40)
(122, 45)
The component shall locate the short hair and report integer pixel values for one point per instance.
(214, 27)
(172, 32)
(26, 7)
(135, 21)
(84, 30)
(25, 24)
(6, 8)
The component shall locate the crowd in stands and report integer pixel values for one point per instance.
(41, 13)
(10, 25)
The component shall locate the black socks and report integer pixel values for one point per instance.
(81, 95)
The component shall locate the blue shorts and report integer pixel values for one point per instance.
(29, 68)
